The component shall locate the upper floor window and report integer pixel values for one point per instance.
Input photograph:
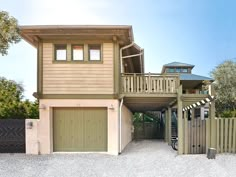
(178, 70)
(170, 70)
(94, 52)
(60, 52)
(184, 70)
(77, 52)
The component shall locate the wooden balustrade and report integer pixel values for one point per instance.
(149, 83)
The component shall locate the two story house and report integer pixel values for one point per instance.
(90, 81)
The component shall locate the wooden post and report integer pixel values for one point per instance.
(186, 133)
(208, 134)
(169, 125)
(166, 126)
(213, 121)
(180, 121)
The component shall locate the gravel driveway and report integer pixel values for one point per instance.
(145, 158)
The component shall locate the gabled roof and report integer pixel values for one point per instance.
(194, 77)
(122, 33)
(178, 64)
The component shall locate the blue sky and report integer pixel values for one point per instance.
(198, 32)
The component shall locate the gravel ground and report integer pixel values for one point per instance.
(141, 158)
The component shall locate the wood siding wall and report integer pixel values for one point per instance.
(78, 78)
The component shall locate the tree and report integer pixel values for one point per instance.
(12, 105)
(9, 32)
(225, 86)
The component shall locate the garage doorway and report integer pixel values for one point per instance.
(79, 129)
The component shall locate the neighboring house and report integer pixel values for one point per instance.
(90, 79)
(191, 83)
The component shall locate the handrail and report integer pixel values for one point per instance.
(149, 83)
(151, 74)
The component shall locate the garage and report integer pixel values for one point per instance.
(79, 129)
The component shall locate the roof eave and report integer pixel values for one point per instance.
(32, 33)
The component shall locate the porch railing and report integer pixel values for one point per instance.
(149, 83)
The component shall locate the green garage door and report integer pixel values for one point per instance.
(79, 129)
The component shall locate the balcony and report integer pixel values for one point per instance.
(136, 83)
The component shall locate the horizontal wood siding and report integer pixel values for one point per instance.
(78, 78)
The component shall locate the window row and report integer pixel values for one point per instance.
(176, 70)
(78, 52)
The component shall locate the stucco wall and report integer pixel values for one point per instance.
(31, 136)
(45, 128)
(126, 133)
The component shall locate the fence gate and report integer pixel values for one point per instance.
(12, 136)
(197, 136)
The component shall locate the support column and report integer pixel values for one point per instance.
(212, 120)
(186, 133)
(169, 125)
(166, 126)
(213, 124)
(180, 121)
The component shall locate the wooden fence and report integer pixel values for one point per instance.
(149, 83)
(226, 135)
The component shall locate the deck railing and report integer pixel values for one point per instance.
(149, 83)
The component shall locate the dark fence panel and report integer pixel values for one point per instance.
(148, 130)
(12, 136)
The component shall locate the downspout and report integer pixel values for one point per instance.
(120, 124)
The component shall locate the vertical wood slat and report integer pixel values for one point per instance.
(186, 132)
(124, 84)
(141, 83)
(197, 136)
(167, 85)
(230, 136)
(234, 136)
(226, 136)
(200, 136)
(192, 136)
(154, 85)
(132, 84)
(204, 136)
(160, 87)
(208, 133)
(137, 85)
(217, 135)
(148, 83)
(189, 137)
(221, 135)
(128, 84)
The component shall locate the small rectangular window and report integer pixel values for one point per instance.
(170, 70)
(77, 52)
(95, 52)
(60, 52)
(184, 70)
(178, 70)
